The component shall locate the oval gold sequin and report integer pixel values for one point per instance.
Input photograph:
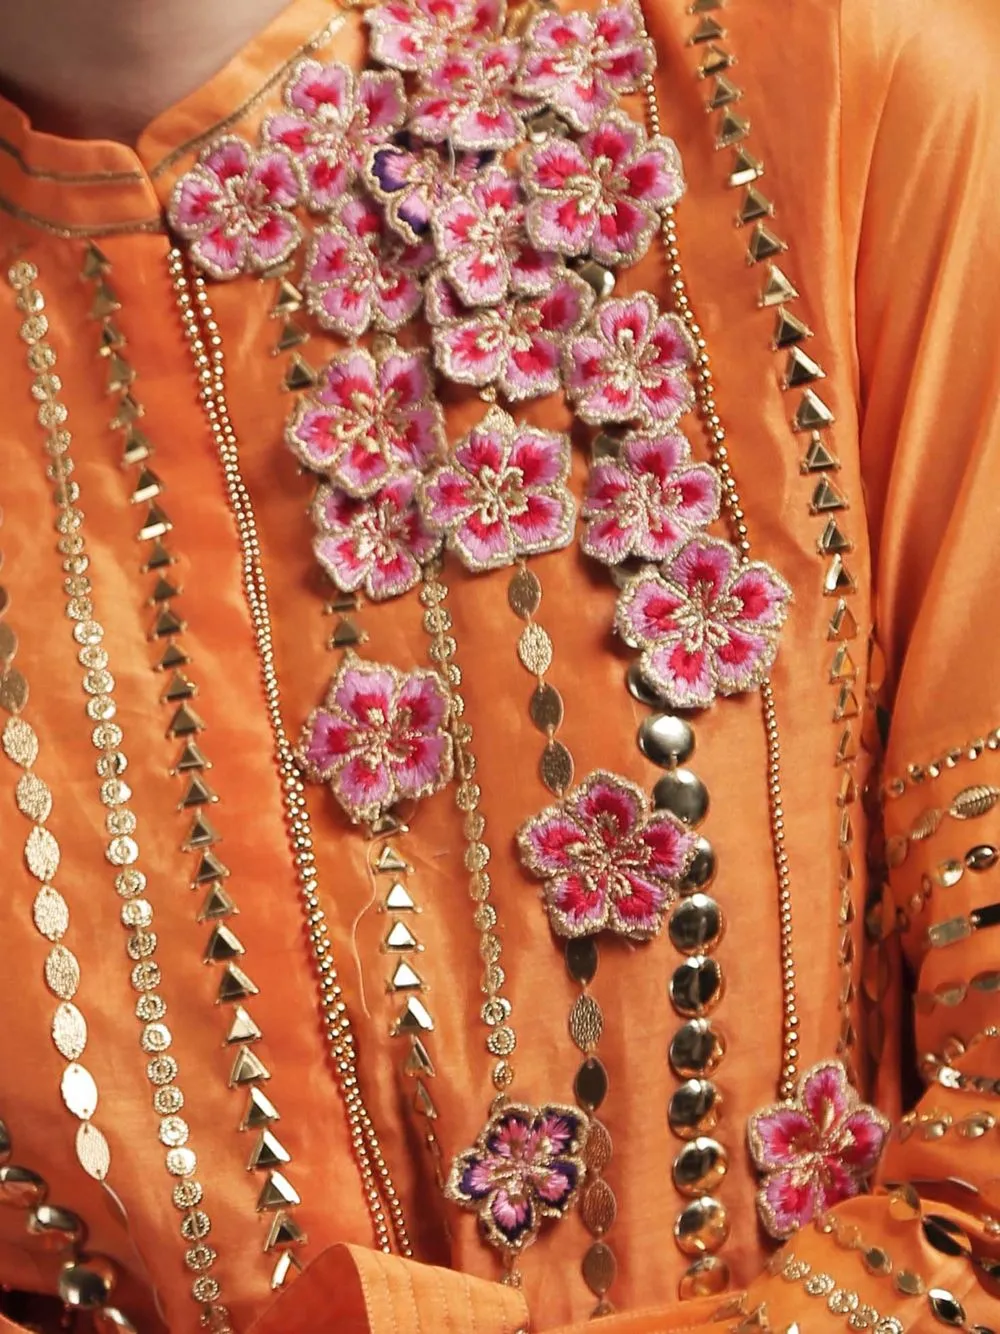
(946, 1307)
(591, 1084)
(581, 958)
(598, 1149)
(599, 1268)
(62, 972)
(41, 852)
(33, 798)
(556, 768)
(79, 1091)
(50, 913)
(546, 708)
(20, 742)
(702, 1227)
(8, 641)
(926, 824)
(586, 1022)
(524, 593)
(534, 648)
(69, 1031)
(13, 691)
(974, 801)
(598, 1208)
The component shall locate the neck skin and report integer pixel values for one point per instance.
(103, 69)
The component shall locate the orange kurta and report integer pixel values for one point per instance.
(873, 127)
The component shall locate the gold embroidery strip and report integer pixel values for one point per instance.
(69, 231)
(66, 177)
(121, 824)
(210, 877)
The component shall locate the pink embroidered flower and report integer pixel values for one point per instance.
(607, 860)
(470, 99)
(410, 182)
(483, 248)
(706, 624)
(580, 64)
(235, 206)
(413, 34)
(647, 501)
(332, 118)
(604, 194)
(814, 1151)
(517, 344)
(377, 544)
(368, 420)
(526, 1166)
(356, 276)
(379, 738)
(503, 494)
(629, 365)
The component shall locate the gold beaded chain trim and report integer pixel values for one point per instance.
(201, 331)
(811, 421)
(210, 877)
(122, 850)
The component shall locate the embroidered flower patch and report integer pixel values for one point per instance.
(629, 365)
(412, 35)
(814, 1151)
(235, 208)
(706, 624)
(648, 500)
(411, 181)
(332, 119)
(526, 1166)
(603, 195)
(379, 738)
(378, 544)
(609, 862)
(503, 494)
(368, 420)
(470, 99)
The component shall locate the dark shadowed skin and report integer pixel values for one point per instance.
(102, 69)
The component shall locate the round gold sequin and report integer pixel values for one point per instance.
(556, 768)
(205, 1289)
(598, 1208)
(50, 913)
(69, 1031)
(586, 1022)
(13, 691)
(41, 852)
(524, 593)
(130, 883)
(181, 1162)
(695, 925)
(696, 1049)
(196, 1225)
(33, 798)
(121, 821)
(534, 648)
(696, 986)
(707, 1277)
(187, 1194)
(666, 740)
(173, 1132)
(683, 794)
(86, 1283)
(700, 1166)
(79, 1091)
(20, 742)
(150, 1007)
(55, 1228)
(200, 1257)
(702, 1227)
(501, 1041)
(146, 975)
(137, 913)
(161, 1070)
(20, 1188)
(169, 1100)
(62, 972)
(546, 708)
(694, 1108)
(155, 1037)
(123, 851)
(599, 1268)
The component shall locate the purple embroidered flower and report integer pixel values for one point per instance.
(580, 64)
(629, 365)
(368, 420)
(526, 1166)
(470, 99)
(356, 276)
(706, 624)
(648, 500)
(410, 182)
(517, 345)
(413, 34)
(483, 248)
(332, 119)
(379, 738)
(604, 194)
(377, 544)
(503, 494)
(235, 206)
(814, 1151)
(608, 861)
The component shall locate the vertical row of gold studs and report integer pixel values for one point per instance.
(223, 947)
(205, 343)
(122, 849)
(414, 1021)
(598, 1205)
(811, 420)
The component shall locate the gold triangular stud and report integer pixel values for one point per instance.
(185, 722)
(746, 168)
(826, 498)
(778, 287)
(704, 6)
(300, 375)
(242, 1028)
(156, 524)
(105, 302)
(838, 579)
(842, 668)
(714, 60)
(284, 1231)
(386, 824)
(833, 540)
(247, 1068)
(399, 899)
(167, 623)
(158, 559)
(289, 299)
(120, 373)
(847, 796)
(179, 687)
(278, 1193)
(732, 129)
(210, 868)
(95, 262)
(223, 945)
(708, 30)
(812, 414)
(112, 338)
(137, 448)
(260, 1111)
(763, 244)
(345, 634)
(286, 1267)
(819, 457)
(191, 757)
(234, 985)
(200, 835)
(418, 1062)
(147, 485)
(724, 93)
(846, 706)
(268, 1152)
(842, 623)
(129, 411)
(788, 329)
(390, 860)
(197, 793)
(164, 590)
(847, 750)
(216, 905)
(406, 978)
(755, 205)
(423, 1101)
(415, 1018)
(292, 335)
(801, 369)
(399, 938)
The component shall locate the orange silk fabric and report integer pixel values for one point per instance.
(876, 122)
